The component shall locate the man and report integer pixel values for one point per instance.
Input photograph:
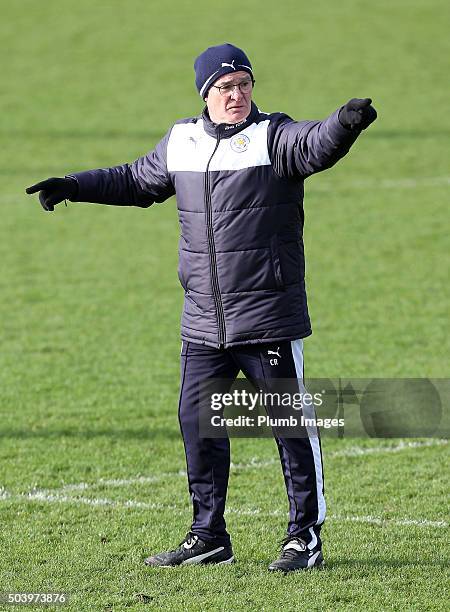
(238, 175)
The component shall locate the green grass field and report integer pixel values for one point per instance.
(90, 451)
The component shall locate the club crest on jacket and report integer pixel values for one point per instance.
(239, 143)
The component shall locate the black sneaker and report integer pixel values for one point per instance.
(296, 556)
(192, 551)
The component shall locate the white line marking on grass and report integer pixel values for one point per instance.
(408, 183)
(359, 451)
(375, 520)
(121, 482)
(400, 183)
(254, 463)
(48, 497)
(51, 497)
(351, 451)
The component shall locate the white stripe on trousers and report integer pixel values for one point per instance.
(313, 436)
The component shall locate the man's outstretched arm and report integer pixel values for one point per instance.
(141, 183)
(301, 148)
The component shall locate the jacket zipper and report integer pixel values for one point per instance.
(212, 254)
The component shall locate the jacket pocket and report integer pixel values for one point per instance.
(275, 257)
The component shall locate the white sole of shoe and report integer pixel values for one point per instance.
(225, 562)
(230, 560)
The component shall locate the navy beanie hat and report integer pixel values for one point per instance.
(217, 61)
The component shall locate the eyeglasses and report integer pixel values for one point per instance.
(244, 87)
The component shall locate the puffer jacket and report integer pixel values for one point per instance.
(239, 191)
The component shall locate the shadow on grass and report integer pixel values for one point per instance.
(93, 134)
(144, 433)
(110, 134)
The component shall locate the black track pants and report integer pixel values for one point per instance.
(208, 459)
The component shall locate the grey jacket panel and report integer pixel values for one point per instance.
(240, 202)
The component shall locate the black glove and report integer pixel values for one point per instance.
(357, 114)
(54, 190)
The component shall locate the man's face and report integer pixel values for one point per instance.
(230, 105)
